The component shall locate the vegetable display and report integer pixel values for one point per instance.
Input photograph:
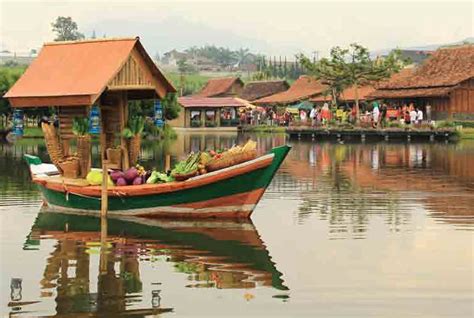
(198, 163)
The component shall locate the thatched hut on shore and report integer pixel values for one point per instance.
(445, 81)
(260, 89)
(222, 87)
(304, 88)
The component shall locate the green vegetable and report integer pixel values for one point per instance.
(157, 177)
(189, 165)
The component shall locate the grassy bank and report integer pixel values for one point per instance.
(33, 132)
(467, 133)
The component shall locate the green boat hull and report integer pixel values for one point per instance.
(245, 190)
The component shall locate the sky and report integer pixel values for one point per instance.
(268, 27)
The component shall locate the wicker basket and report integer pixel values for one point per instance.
(84, 154)
(230, 160)
(134, 149)
(53, 145)
(114, 155)
(182, 177)
(70, 168)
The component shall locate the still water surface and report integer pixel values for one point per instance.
(344, 230)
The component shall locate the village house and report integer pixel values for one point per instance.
(259, 89)
(172, 58)
(445, 81)
(199, 112)
(304, 88)
(222, 87)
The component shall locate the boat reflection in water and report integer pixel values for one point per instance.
(212, 253)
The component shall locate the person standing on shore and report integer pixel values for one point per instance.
(413, 116)
(375, 115)
(419, 116)
(313, 115)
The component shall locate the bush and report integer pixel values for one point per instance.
(195, 123)
(210, 123)
(445, 124)
(394, 124)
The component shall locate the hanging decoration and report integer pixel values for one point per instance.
(94, 120)
(18, 122)
(159, 122)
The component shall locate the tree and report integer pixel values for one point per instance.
(171, 107)
(66, 29)
(242, 55)
(352, 67)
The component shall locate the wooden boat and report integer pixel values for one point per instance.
(230, 192)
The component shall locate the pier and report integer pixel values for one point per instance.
(363, 134)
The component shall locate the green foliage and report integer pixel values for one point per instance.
(195, 123)
(187, 84)
(135, 126)
(170, 106)
(445, 124)
(394, 124)
(352, 67)
(8, 77)
(145, 108)
(80, 126)
(184, 67)
(66, 29)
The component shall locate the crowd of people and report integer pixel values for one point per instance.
(375, 114)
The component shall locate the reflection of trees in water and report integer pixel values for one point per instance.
(333, 192)
(15, 184)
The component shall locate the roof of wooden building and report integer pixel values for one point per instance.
(348, 95)
(303, 88)
(210, 102)
(78, 72)
(219, 86)
(260, 89)
(437, 76)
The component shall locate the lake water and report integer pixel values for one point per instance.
(344, 230)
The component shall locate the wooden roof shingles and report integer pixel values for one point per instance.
(76, 72)
(303, 88)
(348, 95)
(259, 89)
(437, 76)
(218, 86)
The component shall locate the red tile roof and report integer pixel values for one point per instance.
(303, 88)
(204, 102)
(348, 95)
(445, 69)
(72, 70)
(219, 86)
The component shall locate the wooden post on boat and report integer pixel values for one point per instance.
(104, 201)
(167, 163)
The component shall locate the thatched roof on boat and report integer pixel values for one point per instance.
(259, 89)
(437, 76)
(303, 88)
(74, 73)
(219, 86)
